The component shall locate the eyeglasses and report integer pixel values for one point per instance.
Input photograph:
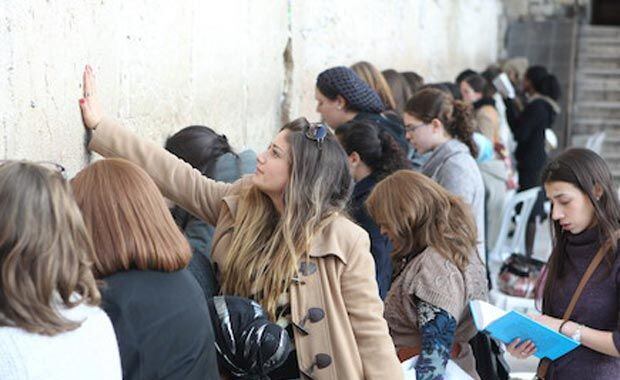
(412, 128)
(316, 132)
(46, 164)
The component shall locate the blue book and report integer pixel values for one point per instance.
(508, 326)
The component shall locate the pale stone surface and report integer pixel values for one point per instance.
(163, 65)
(539, 9)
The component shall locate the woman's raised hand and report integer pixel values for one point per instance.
(89, 103)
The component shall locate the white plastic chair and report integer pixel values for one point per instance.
(508, 303)
(595, 142)
(507, 244)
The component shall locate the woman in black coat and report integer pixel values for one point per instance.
(373, 154)
(528, 128)
(158, 310)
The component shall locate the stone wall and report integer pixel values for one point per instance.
(241, 67)
(541, 9)
(529, 11)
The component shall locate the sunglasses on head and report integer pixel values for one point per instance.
(46, 164)
(316, 132)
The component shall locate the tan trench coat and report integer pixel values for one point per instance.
(340, 278)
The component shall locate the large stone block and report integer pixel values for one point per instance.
(240, 67)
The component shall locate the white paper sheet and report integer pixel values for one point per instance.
(453, 371)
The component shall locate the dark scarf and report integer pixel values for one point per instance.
(484, 102)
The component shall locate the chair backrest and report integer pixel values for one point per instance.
(507, 242)
(595, 142)
(580, 140)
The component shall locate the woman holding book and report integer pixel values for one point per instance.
(436, 271)
(586, 219)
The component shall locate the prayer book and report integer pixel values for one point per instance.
(507, 326)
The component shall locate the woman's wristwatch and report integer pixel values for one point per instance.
(577, 334)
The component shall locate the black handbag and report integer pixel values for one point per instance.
(489, 355)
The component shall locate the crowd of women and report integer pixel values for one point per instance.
(345, 248)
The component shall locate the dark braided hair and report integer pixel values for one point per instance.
(199, 146)
(376, 147)
(543, 82)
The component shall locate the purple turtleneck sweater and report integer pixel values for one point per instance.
(597, 308)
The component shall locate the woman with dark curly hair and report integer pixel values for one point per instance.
(372, 155)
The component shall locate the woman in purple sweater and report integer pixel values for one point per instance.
(585, 214)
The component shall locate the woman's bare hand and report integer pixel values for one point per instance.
(521, 350)
(89, 103)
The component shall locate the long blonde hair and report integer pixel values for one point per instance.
(45, 250)
(266, 248)
(420, 213)
(373, 77)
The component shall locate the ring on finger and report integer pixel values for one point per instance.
(86, 94)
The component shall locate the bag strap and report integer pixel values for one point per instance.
(596, 261)
(543, 367)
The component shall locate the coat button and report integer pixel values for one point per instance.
(320, 361)
(307, 268)
(314, 315)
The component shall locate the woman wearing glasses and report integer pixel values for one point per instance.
(281, 238)
(436, 123)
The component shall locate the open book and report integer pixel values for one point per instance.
(508, 326)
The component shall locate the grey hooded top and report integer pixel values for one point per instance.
(453, 167)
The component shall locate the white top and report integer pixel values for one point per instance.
(89, 352)
(505, 134)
